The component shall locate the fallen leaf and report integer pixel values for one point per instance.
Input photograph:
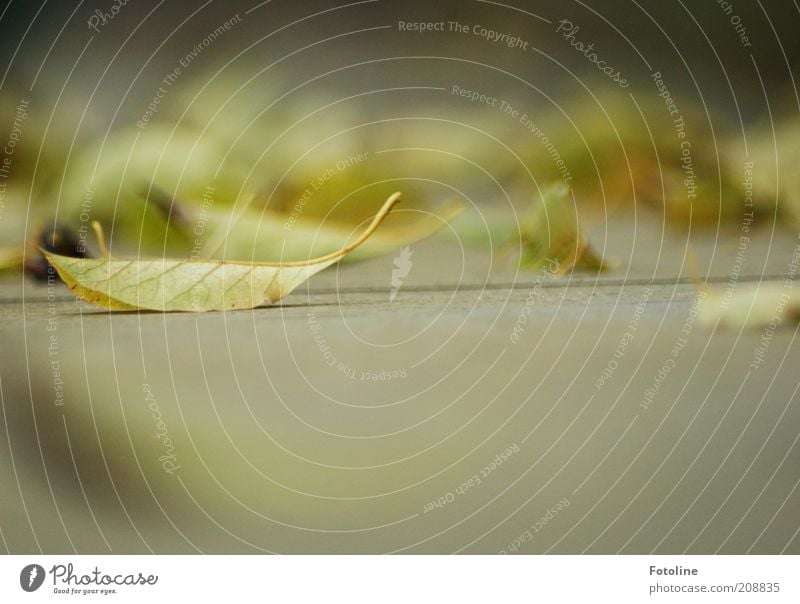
(196, 286)
(552, 236)
(261, 234)
(128, 181)
(749, 305)
(616, 150)
(773, 154)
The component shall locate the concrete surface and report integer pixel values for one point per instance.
(480, 411)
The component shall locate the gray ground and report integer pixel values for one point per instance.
(286, 433)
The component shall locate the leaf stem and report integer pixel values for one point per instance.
(101, 238)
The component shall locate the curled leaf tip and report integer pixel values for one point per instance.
(382, 213)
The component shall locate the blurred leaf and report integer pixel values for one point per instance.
(130, 180)
(263, 234)
(615, 153)
(774, 153)
(749, 305)
(552, 236)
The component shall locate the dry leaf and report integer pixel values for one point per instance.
(196, 286)
(752, 305)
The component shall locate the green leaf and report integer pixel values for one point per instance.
(553, 237)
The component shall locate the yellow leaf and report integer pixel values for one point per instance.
(195, 286)
(749, 305)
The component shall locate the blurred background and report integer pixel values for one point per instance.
(262, 105)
